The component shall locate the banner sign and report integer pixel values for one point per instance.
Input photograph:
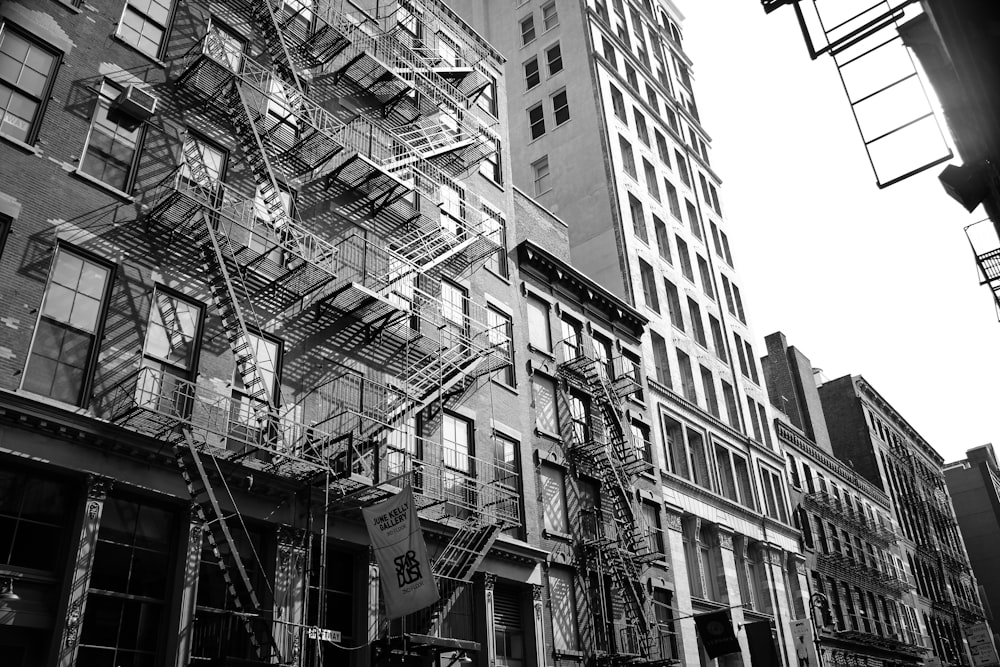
(404, 569)
(760, 639)
(716, 632)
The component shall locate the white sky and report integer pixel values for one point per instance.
(880, 283)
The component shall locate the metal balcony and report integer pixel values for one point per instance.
(224, 637)
(869, 578)
(284, 265)
(832, 508)
(155, 403)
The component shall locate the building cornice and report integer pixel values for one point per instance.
(866, 390)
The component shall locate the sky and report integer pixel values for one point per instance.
(863, 281)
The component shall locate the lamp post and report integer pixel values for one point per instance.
(818, 601)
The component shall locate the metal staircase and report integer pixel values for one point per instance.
(613, 458)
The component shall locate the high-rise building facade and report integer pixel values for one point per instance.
(605, 133)
(255, 276)
(871, 437)
(974, 487)
(860, 603)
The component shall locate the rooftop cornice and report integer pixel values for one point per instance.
(869, 392)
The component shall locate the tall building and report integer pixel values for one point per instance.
(605, 133)
(974, 487)
(256, 277)
(860, 594)
(876, 49)
(873, 439)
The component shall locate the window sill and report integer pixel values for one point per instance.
(506, 387)
(648, 476)
(17, 143)
(548, 435)
(68, 5)
(153, 59)
(557, 535)
(548, 354)
(124, 196)
(568, 654)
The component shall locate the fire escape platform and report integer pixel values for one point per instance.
(368, 180)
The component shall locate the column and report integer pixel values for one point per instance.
(687, 644)
(289, 589)
(367, 655)
(488, 581)
(731, 594)
(774, 558)
(185, 609)
(538, 636)
(79, 579)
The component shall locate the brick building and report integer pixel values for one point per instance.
(256, 276)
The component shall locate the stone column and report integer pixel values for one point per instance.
(489, 580)
(774, 559)
(731, 592)
(289, 599)
(79, 578)
(538, 624)
(185, 609)
(687, 643)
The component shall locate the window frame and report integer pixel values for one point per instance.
(549, 60)
(532, 72)
(553, 16)
(537, 177)
(93, 353)
(31, 136)
(166, 27)
(140, 135)
(557, 109)
(527, 26)
(539, 122)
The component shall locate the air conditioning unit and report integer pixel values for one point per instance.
(136, 102)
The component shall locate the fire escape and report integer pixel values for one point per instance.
(616, 542)
(267, 266)
(892, 111)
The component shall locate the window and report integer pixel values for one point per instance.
(560, 107)
(715, 199)
(491, 167)
(650, 515)
(672, 199)
(685, 258)
(675, 451)
(35, 518)
(170, 352)
(553, 483)
(225, 46)
(739, 304)
(706, 277)
(715, 239)
(5, 224)
(741, 353)
(487, 100)
(752, 364)
(697, 324)
(664, 616)
(649, 285)
(718, 340)
(127, 603)
(562, 600)
(543, 396)
(661, 149)
(674, 304)
(687, 377)
(458, 450)
(661, 363)
(536, 121)
(711, 398)
(64, 348)
(572, 338)
(532, 76)
(774, 499)
(628, 160)
(246, 426)
(609, 53)
(509, 635)
(725, 248)
(727, 288)
(496, 231)
(618, 103)
(630, 76)
(26, 71)
(653, 99)
(693, 219)
(527, 30)
(650, 173)
(640, 126)
(211, 161)
(112, 146)
(144, 25)
(765, 425)
(539, 332)
(550, 18)
(553, 57)
(732, 409)
(579, 414)
(682, 168)
(662, 239)
(638, 219)
(501, 337)
(540, 175)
